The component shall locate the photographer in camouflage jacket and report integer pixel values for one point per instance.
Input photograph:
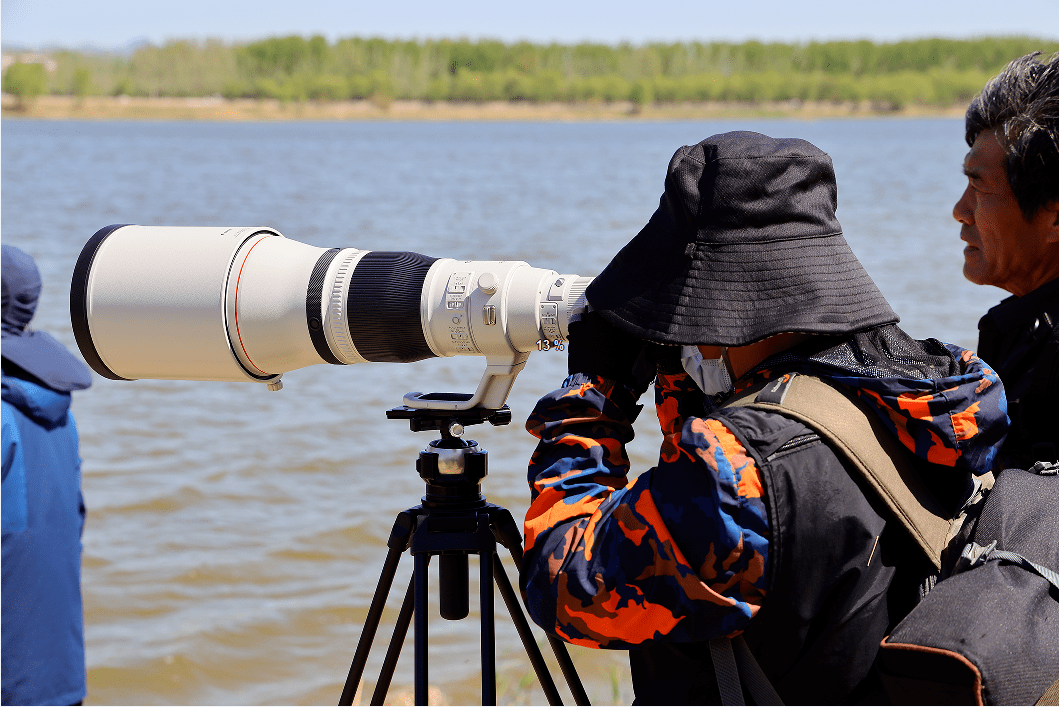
(750, 523)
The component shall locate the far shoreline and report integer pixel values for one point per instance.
(270, 110)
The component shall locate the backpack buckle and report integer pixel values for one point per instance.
(973, 555)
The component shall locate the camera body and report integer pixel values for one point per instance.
(247, 304)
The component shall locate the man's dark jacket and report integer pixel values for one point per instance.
(1019, 338)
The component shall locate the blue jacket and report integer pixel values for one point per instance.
(43, 518)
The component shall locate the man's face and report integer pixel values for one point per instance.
(1003, 249)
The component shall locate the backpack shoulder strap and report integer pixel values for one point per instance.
(1050, 696)
(853, 429)
(735, 667)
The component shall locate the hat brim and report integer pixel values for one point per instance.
(45, 358)
(734, 294)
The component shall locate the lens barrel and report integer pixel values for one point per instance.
(247, 304)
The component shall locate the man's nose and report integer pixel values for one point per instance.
(962, 211)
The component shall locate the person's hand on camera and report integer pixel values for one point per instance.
(665, 358)
(598, 347)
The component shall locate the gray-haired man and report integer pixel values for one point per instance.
(1010, 218)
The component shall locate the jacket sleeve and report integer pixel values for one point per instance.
(13, 491)
(679, 553)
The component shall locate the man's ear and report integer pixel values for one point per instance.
(1052, 209)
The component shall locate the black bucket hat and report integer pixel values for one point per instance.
(36, 352)
(744, 245)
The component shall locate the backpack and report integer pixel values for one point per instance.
(989, 632)
(986, 630)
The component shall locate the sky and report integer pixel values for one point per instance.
(119, 24)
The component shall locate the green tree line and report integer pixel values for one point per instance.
(295, 68)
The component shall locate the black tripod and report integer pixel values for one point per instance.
(453, 520)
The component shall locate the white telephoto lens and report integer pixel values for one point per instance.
(247, 304)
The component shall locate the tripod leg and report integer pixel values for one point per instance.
(523, 628)
(485, 561)
(371, 625)
(420, 581)
(393, 652)
(573, 681)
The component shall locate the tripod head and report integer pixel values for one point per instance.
(453, 469)
(451, 466)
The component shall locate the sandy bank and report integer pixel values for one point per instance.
(215, 108)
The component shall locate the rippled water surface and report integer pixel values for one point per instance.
(235, 535)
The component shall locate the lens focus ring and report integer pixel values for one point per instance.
(337, 327)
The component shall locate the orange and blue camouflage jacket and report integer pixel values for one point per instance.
(680, 552)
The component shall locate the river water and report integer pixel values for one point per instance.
(235, 535)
